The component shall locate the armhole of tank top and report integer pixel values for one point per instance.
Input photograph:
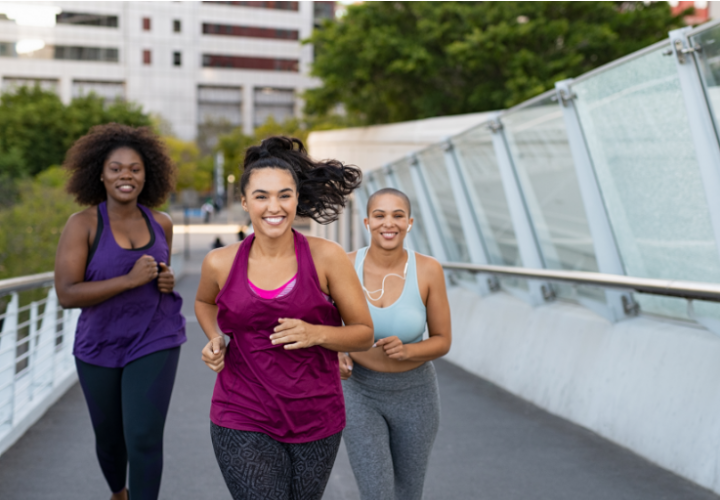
(417, 277)
(150, 228)
(96, 241)
(231, 273)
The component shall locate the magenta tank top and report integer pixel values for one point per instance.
(136, 322)
(292, 396)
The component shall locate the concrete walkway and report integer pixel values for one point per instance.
(491, 446)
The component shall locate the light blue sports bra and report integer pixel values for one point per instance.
(407, 316)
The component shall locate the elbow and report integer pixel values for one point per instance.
(369, 339)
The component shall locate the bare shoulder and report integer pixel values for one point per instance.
(82, 220)
(222, 257)
(325, 250)
(428, 266)
(162, 218)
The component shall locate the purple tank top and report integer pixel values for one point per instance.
(292, 396)
(133, 323)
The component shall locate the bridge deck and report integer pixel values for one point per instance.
(491, 445)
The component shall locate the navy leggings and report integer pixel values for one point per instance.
(128, 407)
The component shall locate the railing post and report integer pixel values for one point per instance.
(528, 247)
(45, 369)
(8, 339)
(700, 120)
(362, 202)
(32, 345)
(621, 304)
(427, 211)
(470, 227)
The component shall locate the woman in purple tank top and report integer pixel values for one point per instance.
(113, 261)
(289, 303)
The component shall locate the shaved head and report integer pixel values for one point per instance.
(393, 192)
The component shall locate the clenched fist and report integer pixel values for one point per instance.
(166, 279)
(144, 271)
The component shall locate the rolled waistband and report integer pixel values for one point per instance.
(422, 375)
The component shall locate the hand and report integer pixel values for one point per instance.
(346, 365)
(213, 354)
(166, 278)
(295, 333)
(144, 271)
(394, 348)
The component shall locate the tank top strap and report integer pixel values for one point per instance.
(306, 265)
(359, 261)
(411, 278)
(102, 208)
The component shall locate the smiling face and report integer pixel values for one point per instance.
(271, 199)
(388, 221)
(123, 175)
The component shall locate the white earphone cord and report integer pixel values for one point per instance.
(382, 289)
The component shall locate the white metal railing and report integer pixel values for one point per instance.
(36, 362)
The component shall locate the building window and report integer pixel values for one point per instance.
(278, 103)
(220, 105)
(247, 31)
(177, 26)
(108, 91)
(146, 24)
(240, 62)
(147, 57)
(10, 83)
(263, 5)
(75, 53)
(87, 19)
(177, 59)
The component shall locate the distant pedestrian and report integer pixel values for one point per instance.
(113, 261)
(277, 411)
(391, 393)
(218, 243)
(207, 210)
(241, 233)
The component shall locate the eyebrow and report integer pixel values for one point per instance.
(383, 211)
(262, 191)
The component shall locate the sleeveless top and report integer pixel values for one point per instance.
(292, 396)
(407, 316)
(136, 322)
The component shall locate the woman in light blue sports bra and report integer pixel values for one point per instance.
(391, 392)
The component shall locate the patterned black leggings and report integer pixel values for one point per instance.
(256, 467)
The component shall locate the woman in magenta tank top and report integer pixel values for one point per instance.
(113, 261)
(289, 303)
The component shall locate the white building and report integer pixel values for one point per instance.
(188, 62)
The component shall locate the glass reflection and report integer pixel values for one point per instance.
(634, 120)
(709, 62)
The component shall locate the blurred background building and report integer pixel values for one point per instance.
(194, 64)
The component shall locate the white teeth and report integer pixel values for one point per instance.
(273, 220)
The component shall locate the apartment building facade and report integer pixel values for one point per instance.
(191, 63)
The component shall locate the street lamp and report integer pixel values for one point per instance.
(231, 183)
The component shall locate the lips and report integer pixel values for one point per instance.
(125, 188)
(388, 235)
(274, 221)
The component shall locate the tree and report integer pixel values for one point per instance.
(36, 128)
(194, 172)
(395, 61)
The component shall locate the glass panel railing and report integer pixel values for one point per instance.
(635, 124)
(401, 169)
(708, 58)
(476, 157)
(543, 162)
(442, 199)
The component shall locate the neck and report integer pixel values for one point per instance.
(122, 210)
(386, 258)
(272, 248)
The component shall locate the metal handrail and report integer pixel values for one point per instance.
(26, 282)
(669, 288)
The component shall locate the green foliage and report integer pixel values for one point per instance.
(30, 229)
(395, 61)
(194, 172)
(36, 128)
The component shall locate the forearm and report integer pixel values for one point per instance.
(90, 293)
(429, 349)
(348, 338)
(206, 315)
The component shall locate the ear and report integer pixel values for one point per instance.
(366, 223)
(243, 202)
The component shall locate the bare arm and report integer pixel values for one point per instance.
(166, 277)
(70, 263)
(344, 287)
(438, 321)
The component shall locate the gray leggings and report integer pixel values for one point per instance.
(392, 420)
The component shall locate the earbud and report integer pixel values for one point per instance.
(409, 227)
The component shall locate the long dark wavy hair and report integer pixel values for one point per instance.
(322, 186)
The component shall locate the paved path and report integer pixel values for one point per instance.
(491, 446)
